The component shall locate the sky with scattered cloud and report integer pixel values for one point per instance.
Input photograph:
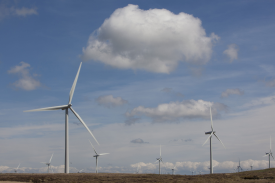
(151, 71)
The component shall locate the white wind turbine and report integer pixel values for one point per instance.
(212, 132)
(15, 170)
(173, 170)
(270, 153)
(80, 171)
(252, 165)
(97, 155)
(49, 164)
(239, 167)
(159, 159)
(66, 108)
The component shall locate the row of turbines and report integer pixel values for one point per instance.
(212, 132)
(69, 106)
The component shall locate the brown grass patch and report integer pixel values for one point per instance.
(262, 176)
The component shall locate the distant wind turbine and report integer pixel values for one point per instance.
(80, 171)
(212, 132)
(97, 155)
(66, 108)
(270, 153)
(252, 165)
(49, 164)
(159, 159)
(138, 169)
(173, 170)
(15, 170)
(239, 167)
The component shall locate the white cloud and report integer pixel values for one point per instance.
(154, 40)
(181, 167)
(229, 92)
(270, 83)
(12, 11)
(178, 110)
(231, 52)
(25, 11)
(26, 81)
(110, 101)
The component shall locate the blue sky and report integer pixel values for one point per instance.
(150, 72)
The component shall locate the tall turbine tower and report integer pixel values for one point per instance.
(212, 132)
(96, 156)
(159, 159)
(48, 164)
(239, 167)
(66, 108)
(270, 153)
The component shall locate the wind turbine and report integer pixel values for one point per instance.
(49, 164)
(66, 108)
(173, 170)
(212, 132)
(15, 170)
(159, 159)
(138, 169)
(80, 171)
(252, 165)
(96, 155)
(269, 154)
(239, 167)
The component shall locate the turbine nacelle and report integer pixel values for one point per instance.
(207, 133)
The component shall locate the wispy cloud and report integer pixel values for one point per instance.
(116, 42)
(170, 90)
(138, 141)
(12, 11)
(229, 92)
(110, 101)
(26, 80)
(260, 101)
(232, 52)
(178, 110)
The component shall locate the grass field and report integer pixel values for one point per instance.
(263, 176)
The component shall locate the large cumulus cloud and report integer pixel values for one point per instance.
(154, 40)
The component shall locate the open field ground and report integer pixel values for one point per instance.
(267, 175)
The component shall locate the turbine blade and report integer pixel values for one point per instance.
(51, 158)
(93, 147)
(49, 108)
(83, 123)
(272, 155)
(160, 150)
(103, 154)
(74, 84)
(211, 120)
(219, 139)
(265, 155)
(208, 138)
(18, 166)
(270, 143)
(157, 161)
